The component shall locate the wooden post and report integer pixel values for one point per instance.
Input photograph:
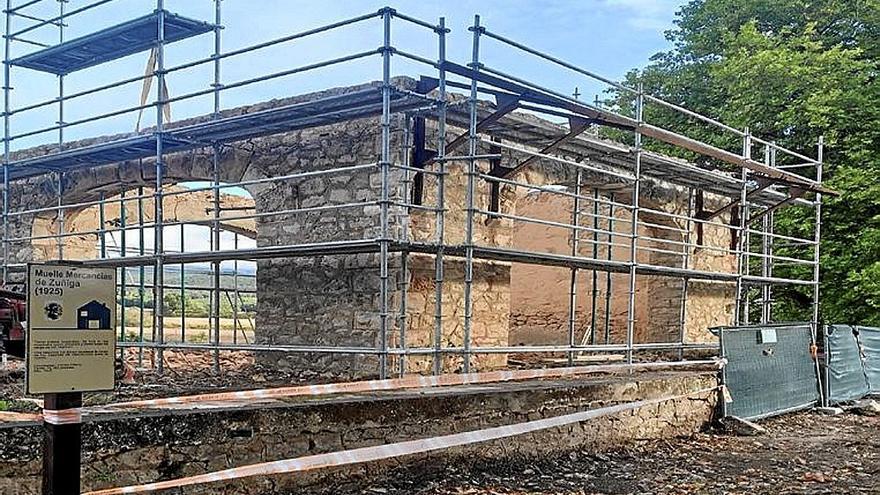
(62, 447)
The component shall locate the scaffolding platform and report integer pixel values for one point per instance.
(114, 42)
(185, 136)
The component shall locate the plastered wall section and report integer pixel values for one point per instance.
(540, 312)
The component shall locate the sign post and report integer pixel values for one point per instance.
(71, 340)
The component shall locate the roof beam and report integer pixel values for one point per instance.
(576, 126)
(793, 195)
(615, 120)
(504, 107)
(762, 185)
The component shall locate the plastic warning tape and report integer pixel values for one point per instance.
(16, 417)
(62, 416)
(388, 451)
(222, 399)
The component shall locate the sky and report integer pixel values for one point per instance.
(608, 37)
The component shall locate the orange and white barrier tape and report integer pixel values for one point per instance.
(17, 418)
(62, 416)
(380, 452)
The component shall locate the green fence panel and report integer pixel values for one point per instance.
(869, 338)
(846, 377)
(770, 370)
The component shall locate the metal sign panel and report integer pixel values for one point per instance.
(71, 328)
(768, 376)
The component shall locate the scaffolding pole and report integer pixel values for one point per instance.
(384, 214)
(572, 285)
(634, 234)
(158, 244)
(439, 221)
(473, 142)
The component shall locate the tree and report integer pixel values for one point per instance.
(173, 303)
(791, 70)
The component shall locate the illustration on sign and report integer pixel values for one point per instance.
(93, 315)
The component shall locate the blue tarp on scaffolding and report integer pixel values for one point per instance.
(846, 377)
(111, 43)
(770, 370)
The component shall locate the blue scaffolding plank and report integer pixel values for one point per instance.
(324, 111)
(111, 43)
(131, 148)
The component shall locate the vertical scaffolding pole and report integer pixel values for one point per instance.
(469, 221)
(403, 287)
(634, 239)
(441, 198)
(102, 226)
(6, 108)
(123, 248)
(59, 215)
(158, 245)
(384, 164)
(595, 279)
(572, 285)
(766, 251)
(215, 175)
(817, 239)
(182, 285)
(141, 274)
(61, 137)
(741, 246)
(685, 281)
(235, 293)
(607, 326)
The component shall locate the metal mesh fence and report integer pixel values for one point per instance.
(770, 370)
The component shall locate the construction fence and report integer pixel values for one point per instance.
(775, 369)
(852, 362)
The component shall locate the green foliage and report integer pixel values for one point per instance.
(791, 70)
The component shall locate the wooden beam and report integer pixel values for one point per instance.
(762, 185)
(793, 195)
(576, 126)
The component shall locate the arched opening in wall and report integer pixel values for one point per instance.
(199, 306)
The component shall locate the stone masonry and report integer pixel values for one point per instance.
(333, 301)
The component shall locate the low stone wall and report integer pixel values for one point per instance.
(142, 449)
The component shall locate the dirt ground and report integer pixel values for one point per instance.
(801, 453)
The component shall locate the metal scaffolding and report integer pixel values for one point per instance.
(496, 126)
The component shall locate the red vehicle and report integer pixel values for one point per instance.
(13, 307)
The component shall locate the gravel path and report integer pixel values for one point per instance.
(801, 453)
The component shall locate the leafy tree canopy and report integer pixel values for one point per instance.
(791, 70)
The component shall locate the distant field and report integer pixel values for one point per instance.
(197, 329)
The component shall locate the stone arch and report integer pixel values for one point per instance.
(194, 207)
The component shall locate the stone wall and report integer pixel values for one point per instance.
(179, 206)
(334, 300)
(491, 288)
(327, 300)
(145, 448)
